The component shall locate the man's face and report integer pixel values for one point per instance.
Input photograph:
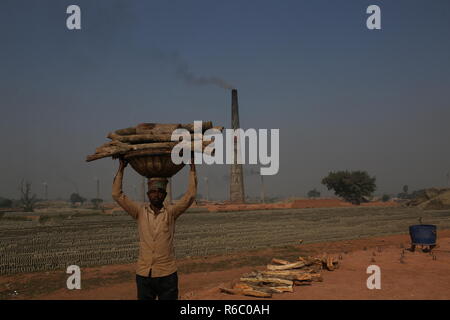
(156, 197)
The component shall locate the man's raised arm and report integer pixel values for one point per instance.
(185, 202)
(126, 203)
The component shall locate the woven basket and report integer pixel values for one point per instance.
(153, 165)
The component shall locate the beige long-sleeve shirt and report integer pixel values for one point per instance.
(156, 231)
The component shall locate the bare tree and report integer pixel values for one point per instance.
(27, 200)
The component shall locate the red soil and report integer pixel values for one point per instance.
(419, 276)
(296, 204)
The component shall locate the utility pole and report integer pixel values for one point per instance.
(263, 190)
(45, 190)
(97, 182)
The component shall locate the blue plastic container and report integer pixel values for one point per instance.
(423, 234)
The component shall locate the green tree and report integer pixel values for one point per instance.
(313, 193)
(385, 198)
(353, 186)
(75, 197)
(404, 194)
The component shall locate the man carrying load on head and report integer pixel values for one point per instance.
(156, 274)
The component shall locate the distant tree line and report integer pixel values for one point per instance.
(313, 193)
(5, 203)
(410, 195)
(28, 199)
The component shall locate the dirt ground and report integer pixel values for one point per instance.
(417, 276)
(296, 204)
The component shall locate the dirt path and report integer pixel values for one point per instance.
(417, 277)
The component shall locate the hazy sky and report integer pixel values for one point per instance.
(343, 97)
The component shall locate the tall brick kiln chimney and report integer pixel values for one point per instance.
(237, 176)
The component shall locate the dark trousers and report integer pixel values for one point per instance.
(163, 288)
